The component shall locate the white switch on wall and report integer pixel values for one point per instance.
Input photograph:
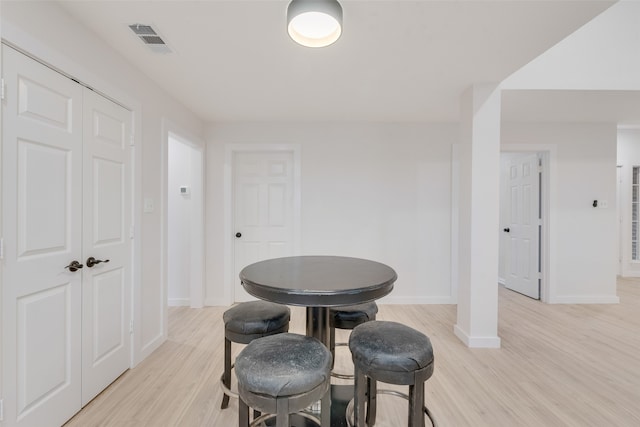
(148, 205)
(603, 204)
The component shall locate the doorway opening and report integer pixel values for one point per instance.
(185, 222)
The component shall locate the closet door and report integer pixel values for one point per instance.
(42, 217)
(106, 286)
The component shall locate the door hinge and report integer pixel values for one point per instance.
(132, 140)
(2, 86)
(132, 232)
(131, 327)
(1, 409)
(1, 248)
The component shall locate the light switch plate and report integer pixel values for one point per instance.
(148, 205)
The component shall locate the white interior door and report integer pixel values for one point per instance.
(263, 210)
(42, 206)
(524, 192)
(107, 222)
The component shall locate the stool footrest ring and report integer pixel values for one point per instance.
(226, 389)
(338, 374)
(264, 417)
(349, 410)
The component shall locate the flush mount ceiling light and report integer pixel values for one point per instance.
(314, 23)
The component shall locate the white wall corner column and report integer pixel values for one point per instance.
(478, 244)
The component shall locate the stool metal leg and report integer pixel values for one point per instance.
(325, 405)
(359, 398)
(282, 412)
(416, 405)
(372, 403)
(227, 372)
(243, 414)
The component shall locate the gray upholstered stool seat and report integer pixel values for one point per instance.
(392, 353)
(281, 375)
(348, 317)
(244, 323)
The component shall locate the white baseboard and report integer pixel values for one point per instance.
(216, 302)
(416, 300)
(178, 302)
(585, 299)
(476, 342)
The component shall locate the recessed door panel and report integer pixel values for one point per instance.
(40, 102)
(109, 130)
(108, 318)
(43, 198)
(108, 211)
(43, 329)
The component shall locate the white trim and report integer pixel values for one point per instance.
(230, 149)
(455, 226)
(408, 300)
(548, 153)
(179, 302)
(476, 342)
(586, 299)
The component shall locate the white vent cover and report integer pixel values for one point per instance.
(150, 37)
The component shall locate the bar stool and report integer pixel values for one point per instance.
(395, 354)
(348, 317)
(244, 323)
(281, 375)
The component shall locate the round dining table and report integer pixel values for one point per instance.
(318, 283)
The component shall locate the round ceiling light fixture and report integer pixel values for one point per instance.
(314, 23)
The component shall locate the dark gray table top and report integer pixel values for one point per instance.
(318, 281)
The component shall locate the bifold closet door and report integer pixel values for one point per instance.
(42, 231)
(106, 240)
(66, 198)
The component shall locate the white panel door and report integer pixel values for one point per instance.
(263, 210)
(524, 189)
(41, 208)
(107, 221)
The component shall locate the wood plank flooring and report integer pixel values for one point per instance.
(559, 365)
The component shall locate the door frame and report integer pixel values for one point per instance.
(230, 151)
(547, 153)
(196, 290)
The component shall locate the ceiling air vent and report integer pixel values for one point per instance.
(150, 37)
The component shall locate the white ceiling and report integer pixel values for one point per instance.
(397, 61)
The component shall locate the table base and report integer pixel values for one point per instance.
(340, 397)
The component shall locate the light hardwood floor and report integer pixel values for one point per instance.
(559, 365)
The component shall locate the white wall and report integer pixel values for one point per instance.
(602, 55)
(628, 157)
(582, 239)
(49, 33)
(377, 191)
(179, 218)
